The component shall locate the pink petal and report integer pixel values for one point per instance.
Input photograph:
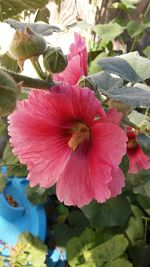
(108, 143)
(79, 98)
(100, 176)
(72, 73)
(117, 182)
(79, 48)
(138, 160)
(113, 116)
(73, 188)
(37, 136)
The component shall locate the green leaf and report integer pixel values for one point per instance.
(144, 142)
(121, 262)
(8, 93)
(105, 81)
(130, 3)
(8, 63)
(10, 8)
(3, 127)
(93, 67)
(124, 165)
(63, 233)
(3, 182)
(78, 247)
(135, 230)
(113, 213)
(137, 117)
(146, 52)
(132, 26)
(77, 219)
(14, 168)
(144, 202)
(40, 28)
(77, 222)
(37, 195)
(108, 251)
(140, 30)
(143, 188)
(140, 255)
(74, 252)
(29, 249)
(131, 66)
(108, 32)
(133, 96)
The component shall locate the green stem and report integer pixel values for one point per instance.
(30, 82)
(142, 19)
(146, 12)
(133, 44)
(38, 69)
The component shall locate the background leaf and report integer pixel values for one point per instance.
(109, 250)
(108, 32)
(133, 96)
(114, 212)
(10, 8)
(131, 66)
(105, 81)
(144, 142)
(14, 167)
(39, 28)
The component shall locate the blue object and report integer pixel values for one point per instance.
(56, 258)
(24, 217)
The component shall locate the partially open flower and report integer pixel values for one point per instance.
(54, 60)
(26, 44)
(77, 62)
(65, 137)
(8, 93)
(138, 160)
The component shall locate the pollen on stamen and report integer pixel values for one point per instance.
(80, 133)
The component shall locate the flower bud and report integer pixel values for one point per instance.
(54, 60)
(87, 82)
(26, 44)
(8, 93)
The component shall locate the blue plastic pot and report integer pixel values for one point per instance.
(25, 217)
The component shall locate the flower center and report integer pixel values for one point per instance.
(80, 133)
(132, 144)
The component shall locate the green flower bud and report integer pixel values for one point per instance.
(8, 93)
(87, 82)
(26, 45)
(54, 60)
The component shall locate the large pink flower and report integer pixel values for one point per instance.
(138, 160)
(65, 137)
(77, 62)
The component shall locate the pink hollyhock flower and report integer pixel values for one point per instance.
(138, 160)
(65, 137)
(77, 62)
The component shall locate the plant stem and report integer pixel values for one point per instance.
(38, 69)
(146, 12)
(30, 82)
(133, 44)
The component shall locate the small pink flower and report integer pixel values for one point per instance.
(77, 62)
(65, 137)
(138, 160)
